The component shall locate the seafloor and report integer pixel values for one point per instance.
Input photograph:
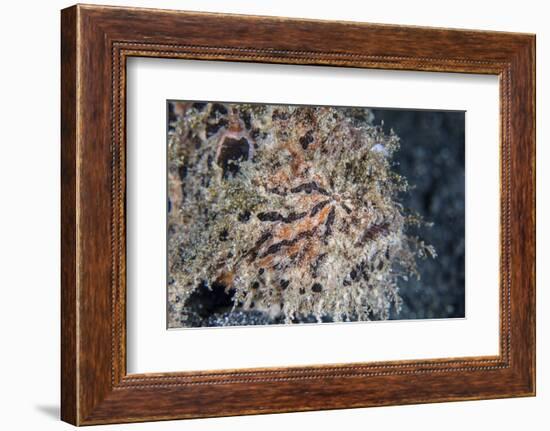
(432, 157)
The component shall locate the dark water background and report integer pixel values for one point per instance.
(432, 159)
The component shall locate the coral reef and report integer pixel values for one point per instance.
(291, 211)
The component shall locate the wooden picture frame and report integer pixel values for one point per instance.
(96, 41)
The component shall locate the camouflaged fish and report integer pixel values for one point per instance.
(293, 210)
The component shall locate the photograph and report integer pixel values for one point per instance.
(275, 215)
(303, 214)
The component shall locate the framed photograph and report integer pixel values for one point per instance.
(283, 215)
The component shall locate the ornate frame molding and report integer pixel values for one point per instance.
(96, 41)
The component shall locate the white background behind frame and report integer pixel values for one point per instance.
(153, 348)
